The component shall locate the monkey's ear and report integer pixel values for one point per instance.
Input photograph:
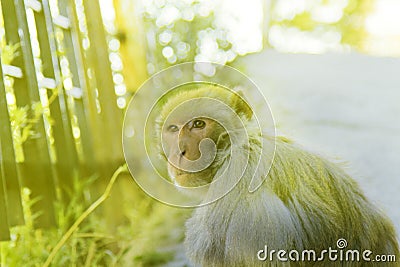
(240, 105)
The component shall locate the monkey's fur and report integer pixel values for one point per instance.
(305, 203)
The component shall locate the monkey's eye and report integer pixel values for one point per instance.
(172, 128)
(200, 124)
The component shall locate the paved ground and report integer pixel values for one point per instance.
(341, 106)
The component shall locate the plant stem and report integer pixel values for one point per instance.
(85, 214)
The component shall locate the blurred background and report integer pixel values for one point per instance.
(329, 69)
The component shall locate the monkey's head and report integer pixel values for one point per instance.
(195, 125)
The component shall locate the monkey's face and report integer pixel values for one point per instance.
(190, 147)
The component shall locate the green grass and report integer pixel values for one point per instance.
(147, 227)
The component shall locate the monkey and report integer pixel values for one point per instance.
(306, 202)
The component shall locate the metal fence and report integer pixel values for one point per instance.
(62, 63)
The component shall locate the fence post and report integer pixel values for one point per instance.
(4, 231)
(11, 179)
(80, 81)
(36, 169)
(111, 116)
(132, 43)
(64, 142)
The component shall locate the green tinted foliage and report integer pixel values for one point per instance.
(350, 25)
(179, 37)
(8, 53)
(133, 243)
(302, 21)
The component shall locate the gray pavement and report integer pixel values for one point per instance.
(343, 106)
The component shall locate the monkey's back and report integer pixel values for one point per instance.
(306, 203)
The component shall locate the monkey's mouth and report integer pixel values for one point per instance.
(175, 175)
(189, 179)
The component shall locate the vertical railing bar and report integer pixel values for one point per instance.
(36, 169)
(112, 116)
(96, 122)
(4, 225)
(79, 78)
(64, 142)
(95, 119)
(11, 177)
